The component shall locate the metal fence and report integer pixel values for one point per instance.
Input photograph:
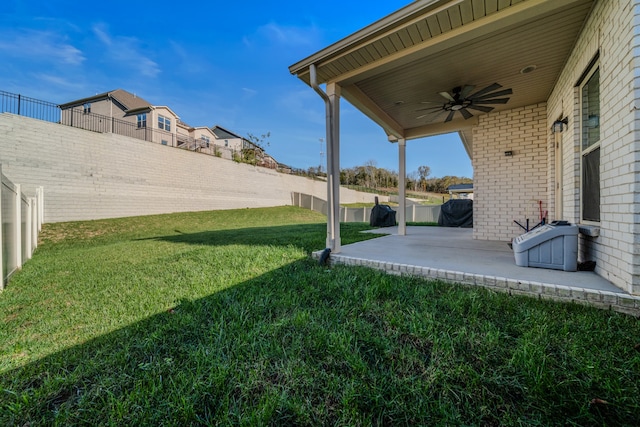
(29, 107)
(21, 218)
(415, 213)
(79, 118)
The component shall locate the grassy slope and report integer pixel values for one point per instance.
(196, 319)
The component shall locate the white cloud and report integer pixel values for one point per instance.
(44, 46)
(305, 104)
(283, 35)
(248, 92)
(56, 80)
(126, 52)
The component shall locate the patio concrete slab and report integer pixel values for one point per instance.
(451, 254)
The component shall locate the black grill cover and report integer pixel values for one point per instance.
(382, 216)
(456, 213)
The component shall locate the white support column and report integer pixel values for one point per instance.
(333, 174)
(402, 184)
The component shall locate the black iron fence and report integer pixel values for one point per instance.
(79, 118)
(29, 107)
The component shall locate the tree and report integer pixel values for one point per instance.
(370, 166)
(412, 181)
(261, 140)
(424, 172)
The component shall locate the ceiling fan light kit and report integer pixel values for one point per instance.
(460, 100)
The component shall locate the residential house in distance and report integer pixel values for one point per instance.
(124, 113)
(461, 191)
(268, 161)
(227, 143)
(227, 140)
(195, 138)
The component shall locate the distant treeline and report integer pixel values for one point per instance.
(371, 176)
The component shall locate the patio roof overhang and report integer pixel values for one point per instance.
(397, 66)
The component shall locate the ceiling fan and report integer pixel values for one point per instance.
(460, 100)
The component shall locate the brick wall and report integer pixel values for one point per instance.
(508, 188)
(88, 175)
(612, 32)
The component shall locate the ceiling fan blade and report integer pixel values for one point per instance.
(487, 89)
(450, 116)
(494, 94)
(493, 101)
(431, 102)
(466, 91)
(480, 108)
(429, 108)
(465, 113)
(432, 115)
(448, 96)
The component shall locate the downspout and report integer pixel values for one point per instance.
(331, 231)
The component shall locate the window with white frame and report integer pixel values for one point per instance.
(142, 120)
(164, 123)
(86, 108)
(206, 140)
(590, 145)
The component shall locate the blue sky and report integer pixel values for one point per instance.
(213, 63)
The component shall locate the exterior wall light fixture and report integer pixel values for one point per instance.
(558, 125)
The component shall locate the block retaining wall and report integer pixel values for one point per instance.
(88, 175)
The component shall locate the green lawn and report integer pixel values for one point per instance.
(222, 318)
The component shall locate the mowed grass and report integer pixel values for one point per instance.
(222, 318)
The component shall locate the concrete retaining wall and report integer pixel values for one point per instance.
(88, 175)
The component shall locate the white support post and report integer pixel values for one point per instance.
(402, 184)
(18, 226)
(331, 100)
(333, 162)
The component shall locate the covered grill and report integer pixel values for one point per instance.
(382, 216)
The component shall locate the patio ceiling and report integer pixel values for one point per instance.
(395, 68)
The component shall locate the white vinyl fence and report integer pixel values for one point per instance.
(21, 219)
(414, 213)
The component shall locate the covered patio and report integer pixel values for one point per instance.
(520, 82)
(440, 66)
(452, 255)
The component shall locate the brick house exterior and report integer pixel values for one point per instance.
(605, 42)
(566, 142)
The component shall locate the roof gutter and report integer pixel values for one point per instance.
(372, 30)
